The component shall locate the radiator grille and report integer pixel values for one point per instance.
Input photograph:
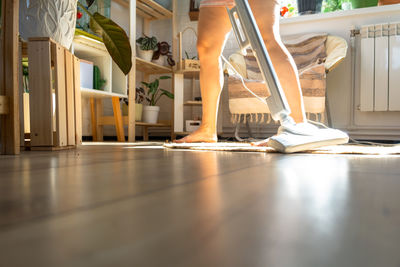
(380, 67)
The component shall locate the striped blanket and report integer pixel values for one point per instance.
(308, 51)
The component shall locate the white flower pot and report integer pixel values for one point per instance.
(138, 111)
(150, 114)
(43, 18)
(145, 54)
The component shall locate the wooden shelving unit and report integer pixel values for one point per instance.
(149, 10)
(100, 94)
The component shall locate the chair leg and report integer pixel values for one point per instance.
(328, 113)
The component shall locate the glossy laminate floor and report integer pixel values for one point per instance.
(135, 206)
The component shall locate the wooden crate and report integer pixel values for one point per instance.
(189, 65)
(54, 96)
(9, 66)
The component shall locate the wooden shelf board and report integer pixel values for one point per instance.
(189, 74)
(150, 67)
(148, 9)
(109, 120)
(99, 93)
(154, 10)
(139, 123)
(89, 46)
(193, 103)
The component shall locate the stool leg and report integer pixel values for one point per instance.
(145, 133)
(93, 118)
(119, 125)
(99, 115)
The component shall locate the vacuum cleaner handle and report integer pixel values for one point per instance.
(242, 39)
(251, 36)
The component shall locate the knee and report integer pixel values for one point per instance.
(207, 50)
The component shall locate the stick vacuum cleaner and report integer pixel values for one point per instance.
(291, 137)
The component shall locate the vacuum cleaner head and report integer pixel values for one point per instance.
(305, 136)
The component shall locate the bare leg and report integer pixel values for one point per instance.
(213, 29)
(267, 16)
(213, 21)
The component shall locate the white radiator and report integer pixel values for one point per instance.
(380, 67)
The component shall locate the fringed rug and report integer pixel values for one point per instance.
(246, 147)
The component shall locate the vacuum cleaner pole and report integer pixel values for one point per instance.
(248, 34)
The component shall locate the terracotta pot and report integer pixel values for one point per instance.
(388, 2)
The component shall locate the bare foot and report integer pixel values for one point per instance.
(261, 143)
(199, 136)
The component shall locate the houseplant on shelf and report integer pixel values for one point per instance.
(363, 3)
(154, 93)
(146, 47)
(163, 55)
(139, 99)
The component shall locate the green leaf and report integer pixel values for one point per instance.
(115, 40)
(167, 93)
(146, 84)
(164, 77)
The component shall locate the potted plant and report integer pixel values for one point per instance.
(139, 99)
(162, 54)
(154, 93)
(363, 3)
(146, 47)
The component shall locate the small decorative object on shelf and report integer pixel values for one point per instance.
(192, 125)
(154, 93)
(190, 64)
(98, 82)
(146, 47)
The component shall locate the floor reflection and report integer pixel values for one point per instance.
(319, 187)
